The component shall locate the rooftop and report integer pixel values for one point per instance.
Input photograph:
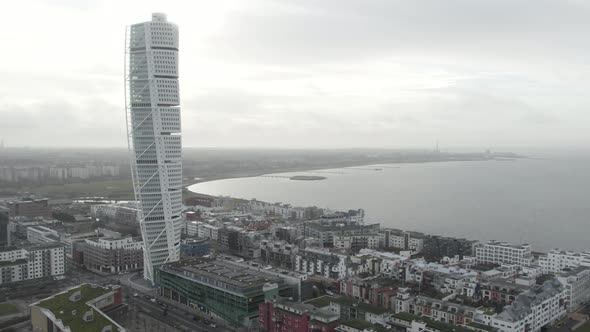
(351, 302)
(214, 271)
(320, 302)
(71, 313)
(524, 302)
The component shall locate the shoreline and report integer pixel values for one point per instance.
(326, 167)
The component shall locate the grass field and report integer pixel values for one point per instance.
(116, 189)
(7, 309)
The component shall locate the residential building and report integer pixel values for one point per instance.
(501, 291)
(533, 309)
(41, 234)
(357, 242)
(577, 286)
(219, 287)
(29, 208)
(321, 262)
(278, 253)
(282, 315)
(208, 231)
(78, 309)
(395, 238)
(119, 212)
(496, 252)
(112, 255)
(556, 260)
(326, 231)
(153, 127)
(31, 262)
(436, 247)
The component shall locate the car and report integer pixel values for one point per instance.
(213, 325)
(135, 295)
(153, 300)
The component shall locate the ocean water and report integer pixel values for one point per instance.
(542, 200)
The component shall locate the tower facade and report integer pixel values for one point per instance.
(153, 134)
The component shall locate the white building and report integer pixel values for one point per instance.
(192, 228)
(153, 127)
(533, 309)
(395, 238)
(31, 262)
(503, 253)
(321, 262)
(41, 234)
(556, 260)
(127, 243)
(577, 286)
(208, 231)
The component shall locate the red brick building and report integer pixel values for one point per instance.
(287, 316)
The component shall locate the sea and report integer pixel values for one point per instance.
(542, 200)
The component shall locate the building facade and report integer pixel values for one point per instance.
(153, 125)
(41, 234)
(577, 287)
(29, 208)
(108, 255)
(534, 309)
(282, 315)
(556, 260)
(496, 252)
(31, 262)
(218, 287)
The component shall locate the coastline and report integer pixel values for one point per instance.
(332, 166)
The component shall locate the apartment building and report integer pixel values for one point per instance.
(503, 253)
(395, 238)
(556, 260)
(577, 286)
(325, 232)
(31, 262)
(110, 255)
(321, 262)
(357, 242)
(533, 309)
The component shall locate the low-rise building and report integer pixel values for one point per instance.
(278, 253)
(78, 309)
(325, 231)
(41, 234)
(219, 287)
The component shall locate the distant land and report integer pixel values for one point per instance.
(207, 164)
(307, 178)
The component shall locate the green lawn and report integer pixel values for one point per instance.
(7, 309)
(116, 189)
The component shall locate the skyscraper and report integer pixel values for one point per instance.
(153, 134)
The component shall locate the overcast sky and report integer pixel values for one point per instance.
(308, 73)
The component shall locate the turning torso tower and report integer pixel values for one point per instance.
(153, 133)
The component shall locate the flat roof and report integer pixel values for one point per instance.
(63, 309)
(217, 270)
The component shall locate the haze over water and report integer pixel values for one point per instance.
(542, 200)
